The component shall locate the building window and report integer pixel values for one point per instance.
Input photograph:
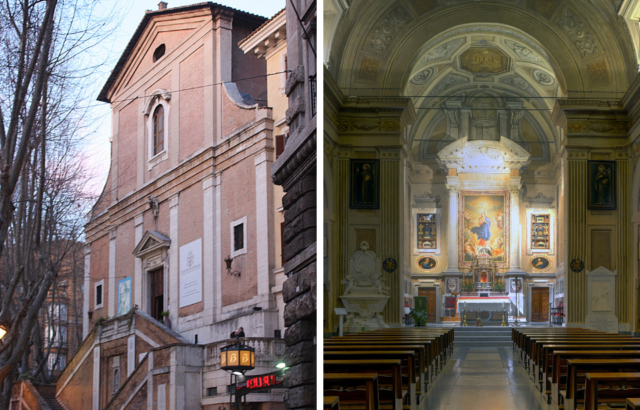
(158, 130)
(159, 52)
(280, 141)
(116, 380)
(99, 293)
(282, 244)
(51, 361)
(239, 237)
(62, 363)
(212, 391)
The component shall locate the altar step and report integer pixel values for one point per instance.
(471, 336)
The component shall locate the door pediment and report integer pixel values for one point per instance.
(151, 241)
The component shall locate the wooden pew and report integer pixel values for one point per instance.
(407, 358)
(331, 403)
(633, 404)
(595, 381)
(385, 369)
(422, 382)
(436, 346)
(578, 367)
(560, 357)
(348, 387)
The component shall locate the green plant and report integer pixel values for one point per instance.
(164, 313)
(419, 317)
(498, 287)
(468, 287)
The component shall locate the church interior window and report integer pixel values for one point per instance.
(159, 52)
(158, 130)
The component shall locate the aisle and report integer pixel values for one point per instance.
(484, 378)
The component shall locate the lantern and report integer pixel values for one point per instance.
(237, 358)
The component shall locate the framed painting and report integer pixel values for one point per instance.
(540, 263)
(364, 184)
(483, 221)
(124, 296)
(601, 180)
(427, 231)
(426, 263)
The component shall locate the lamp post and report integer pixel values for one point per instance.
(237, 359)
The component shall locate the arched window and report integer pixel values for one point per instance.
(158, 130)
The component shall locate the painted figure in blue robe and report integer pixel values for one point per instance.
(482, 230)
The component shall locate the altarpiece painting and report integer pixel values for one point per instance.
(484, 226)
(365, 184)
(427, 231)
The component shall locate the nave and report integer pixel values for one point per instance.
(484, 378)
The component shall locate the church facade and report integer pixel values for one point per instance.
(184, 246)
(487, 154)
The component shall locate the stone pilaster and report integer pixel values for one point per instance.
(174, 265)
(624, 278)
(341, 231)
(87, 289)
(138, 269)
(452, 225)
(576, 199)
(111, 309)
(392, 228)
(264, 222)
(208, 255)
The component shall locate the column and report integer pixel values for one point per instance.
(264, 221)
(137, 278)
(624, 278)
(131, 354)
(514, 226)
(340, 240)
(86, 294)
(452, 225)
(503, 120)
(391, 222)
(207, 244)
(111, 310)
(174, 265)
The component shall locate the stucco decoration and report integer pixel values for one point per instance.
(427, 200)
(423, 76)
(579, 33)
(540, 201)
(543, 78)
(599, 73)
(153, 97)
(523, 52)
(486, 29)
(443, 51)
(484, 60)
(365, 293)
(521, 83)
(481, 156)
(368, 69)
(387, 28)
(449, 81)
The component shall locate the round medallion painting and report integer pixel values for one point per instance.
(427, 263)
(540, 263)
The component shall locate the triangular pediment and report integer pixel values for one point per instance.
(151, 241)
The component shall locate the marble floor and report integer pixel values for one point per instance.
(483, 378)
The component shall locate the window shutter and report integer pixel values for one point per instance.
(279, 145)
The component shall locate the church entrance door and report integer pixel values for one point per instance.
(539, 304)
(157, 293)
(430, 293)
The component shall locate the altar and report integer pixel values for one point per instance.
(489, 309)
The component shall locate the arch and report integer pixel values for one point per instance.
(356, 47)
(158, 130)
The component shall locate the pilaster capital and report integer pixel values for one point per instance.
(87, 249)
(208, 182)
(576, 152)
(113, 231)
(390, 152)
(514, 189)
(174, 200)
(138, 219)
(452, 189)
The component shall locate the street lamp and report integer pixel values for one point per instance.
(237, 359)
(281, 365)
(2, 332)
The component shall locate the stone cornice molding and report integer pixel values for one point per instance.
(484, 156)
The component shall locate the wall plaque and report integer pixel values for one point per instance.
(191, 273)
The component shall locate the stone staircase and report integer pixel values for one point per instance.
(471, 336)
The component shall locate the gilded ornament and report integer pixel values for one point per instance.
(484, 60)
(388, 126)
(599, 73)
(369, 69)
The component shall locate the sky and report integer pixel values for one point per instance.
(128, 14)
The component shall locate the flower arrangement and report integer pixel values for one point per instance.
(468, 287)
(498, 287)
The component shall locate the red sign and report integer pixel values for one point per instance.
(263, 381)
